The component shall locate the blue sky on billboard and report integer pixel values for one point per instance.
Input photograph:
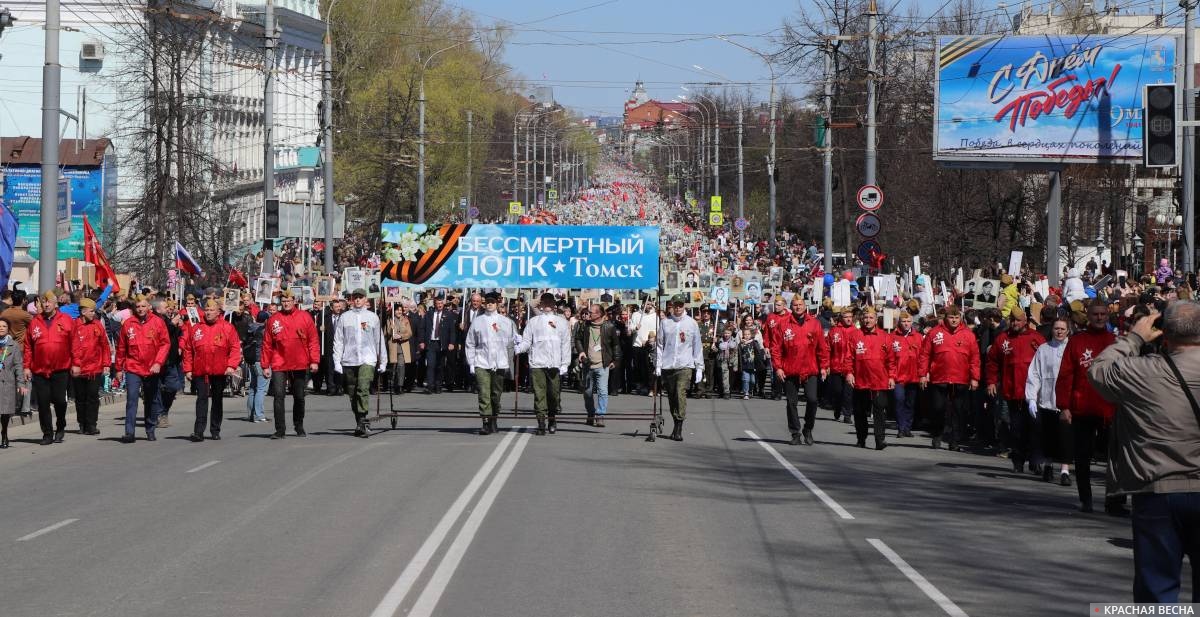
(1047, 97)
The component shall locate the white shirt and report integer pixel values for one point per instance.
(358, 340)
(490, 341)
(644, 322)
(679, 345)
(547, 338)
(1043, 375)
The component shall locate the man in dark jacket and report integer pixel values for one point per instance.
(597, 349)
(440, 335)
(326, 325)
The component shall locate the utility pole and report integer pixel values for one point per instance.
(771, 168)
(470, 122)
(827, 239)
(516, 122)
(421, 150)
(51, 75)
(872, 20)
(1189, 138)
(741, 170)
(269, 125)
(716, 152)
(327, 142)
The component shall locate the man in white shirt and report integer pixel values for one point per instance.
(357, 354)
(641, 324)
(680, 360)
(489, 345)
(547, 338)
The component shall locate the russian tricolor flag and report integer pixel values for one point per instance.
(185, 263)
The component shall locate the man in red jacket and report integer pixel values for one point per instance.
(1008, 361)
(142, 346)
(841, 394)
(872, 375)
(770, 329)
(950, 361)
(48, 363)
(91, 356)
(906, 344)
(290, 350)
(799, 354)
(212, 352)
(1081, 406)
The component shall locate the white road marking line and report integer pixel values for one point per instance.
(41, 532)
(395, 596)
(937, 596)
(458, 548)
(816, 490)
(202, 467)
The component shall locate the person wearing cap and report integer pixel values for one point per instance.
(142, 348)
(841, 393)
(91, 356)
(800, 356)
(290, 350)
(47, 364)
(680, 360)
(212, 353)
(358, 355)
(489, 346)
(597, 349)
(547, 338)
(872, 375)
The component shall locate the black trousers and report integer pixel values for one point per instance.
(1087, 430)
(87, 400)
(433, 369)
(1023, 434)
(210, 388)
(949, 403)
(283, 382)
(871, 404)
(791, 387)
(841, 395)
(1056, 437)
(51, 390)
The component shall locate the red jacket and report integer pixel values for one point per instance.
(1008, 361)
(949, 357)
(839, 348)
(210, 349)
(772, 325)
(872, 361)
(907, 348)
(48, 344)
(90, 351)
(1073, 391)
(798, 349)
(290, 342)
(142, 344)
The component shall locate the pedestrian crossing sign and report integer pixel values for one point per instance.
(514, 207)
(692, 202)
(552, 195)
(714, 203)
(716, 219)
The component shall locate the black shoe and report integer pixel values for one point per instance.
(215, 437)
(1018, 465)
(591, 421)
(796, 440)
(300, 432)
(196, 438)
(879, 445)
(127, 438)
(808, 439)
(58, 435)
(47, 439)
(151, 437)
(1116, 509)
(277, 435)
(1047, 471)
(366, 427)
(541, 427)
(1036, 469)
(486, 429)
(936, 444)
(3, 442)
(1064, 479)
(359, 431)
(553, 427)
(677, 432)
(862, 443)
(1086, 508)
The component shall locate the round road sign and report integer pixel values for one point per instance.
(741, 224)
(870, 197)
(864, 250)
(473, 212)
(867, 225)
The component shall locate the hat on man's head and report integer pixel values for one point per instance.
(213, 304)
(86, 303)
(678, 300)
(286, 293)
(547, 300)
(50, 296)
(360, 292)
(491, 298)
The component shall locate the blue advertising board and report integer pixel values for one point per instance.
(91, 189)
(515, 256)
(1045, 98)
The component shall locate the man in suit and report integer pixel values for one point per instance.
(440, 337)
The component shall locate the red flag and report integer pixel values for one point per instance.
(237, 279)
(93, 253)
(641, 212)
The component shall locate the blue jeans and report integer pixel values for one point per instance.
(905, 395)
(747, 382)
(1166, 526)
(147, 389)
(256, 393)
(595, 391)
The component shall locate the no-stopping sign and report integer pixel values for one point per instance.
(870, 198)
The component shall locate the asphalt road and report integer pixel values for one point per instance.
(431, 519)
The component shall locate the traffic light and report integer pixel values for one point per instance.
(1160, 147)
(271, 219)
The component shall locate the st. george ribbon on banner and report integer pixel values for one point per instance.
(512, 256)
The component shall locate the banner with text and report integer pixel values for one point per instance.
(1046, 98)
(513, 256)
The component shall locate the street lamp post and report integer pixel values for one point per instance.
(327, 139)
(421, 128)
(771, 156)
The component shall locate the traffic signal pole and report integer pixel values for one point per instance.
(1188, 168)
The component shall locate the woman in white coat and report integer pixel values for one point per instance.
(1055, 435)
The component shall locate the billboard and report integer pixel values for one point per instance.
(90, 189)
(516, 256)
(1047, 98)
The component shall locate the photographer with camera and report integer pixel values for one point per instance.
(1155, 449)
